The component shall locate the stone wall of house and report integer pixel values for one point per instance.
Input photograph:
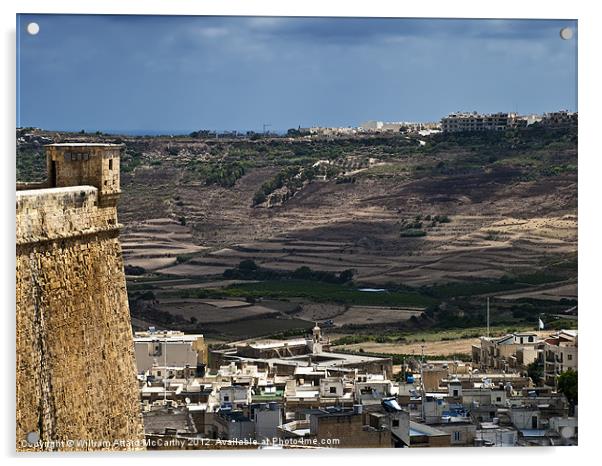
(76, 376)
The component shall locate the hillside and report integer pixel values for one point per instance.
(405, 212)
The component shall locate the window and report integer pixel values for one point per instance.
(110, 164)
(530, 339)
(455, 392)
(457, 436)
(226, 398)
(498, 399)
(395, 422)
(333, 390)
(569, 357)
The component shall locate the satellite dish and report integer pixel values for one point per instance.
(187, 400)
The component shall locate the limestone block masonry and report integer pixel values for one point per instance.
(76, 374)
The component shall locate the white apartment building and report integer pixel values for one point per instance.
(560, 354)
(464, 121)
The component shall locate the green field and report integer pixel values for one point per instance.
(327, 292)
(451, 290)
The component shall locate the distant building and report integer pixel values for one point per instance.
(159, 353)
(351, 428)
(422, 436)
(560, 354)
(464, 121)
(286, 357)
(371, 125)
(560, 118)
(491, 434)
(512, 351)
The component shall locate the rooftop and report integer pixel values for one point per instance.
(266, 344)
(326, 360)
(83, 144)
(161, 336)
(66, 189)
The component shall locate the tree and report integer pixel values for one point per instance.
(567, 385)
(247, 265)
(346, 275)
(259, 198)
(535, 371)
(303, 273)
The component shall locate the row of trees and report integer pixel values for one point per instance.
(249, 270)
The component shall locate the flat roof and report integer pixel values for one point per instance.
(266, 344)
(66, 189)
(333, 360)
(169, 338)
(83, 144)
(419, 429)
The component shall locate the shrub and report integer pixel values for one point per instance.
(412, 233)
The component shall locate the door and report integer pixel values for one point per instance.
(52, 174)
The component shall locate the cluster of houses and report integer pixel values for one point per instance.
(454, 122)
(501, 121)
(298, 393)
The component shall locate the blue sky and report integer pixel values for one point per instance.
(178, 74)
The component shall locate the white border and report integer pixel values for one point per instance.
(590, 177)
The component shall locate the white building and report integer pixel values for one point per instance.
(560, 354)
(464, 121)
(169, 349)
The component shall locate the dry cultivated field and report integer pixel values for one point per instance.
(333, 228)
(431, 348)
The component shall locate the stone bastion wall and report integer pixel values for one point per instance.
(76, 375)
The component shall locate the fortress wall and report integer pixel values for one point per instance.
(76, 374)
(58, 213)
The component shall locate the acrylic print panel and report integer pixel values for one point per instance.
(251, 232)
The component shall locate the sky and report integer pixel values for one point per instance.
(183, 73)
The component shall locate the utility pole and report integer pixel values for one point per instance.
(165, 364)
(265, 126)
(487, 316)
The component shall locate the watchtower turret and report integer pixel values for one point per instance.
(78, 164)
